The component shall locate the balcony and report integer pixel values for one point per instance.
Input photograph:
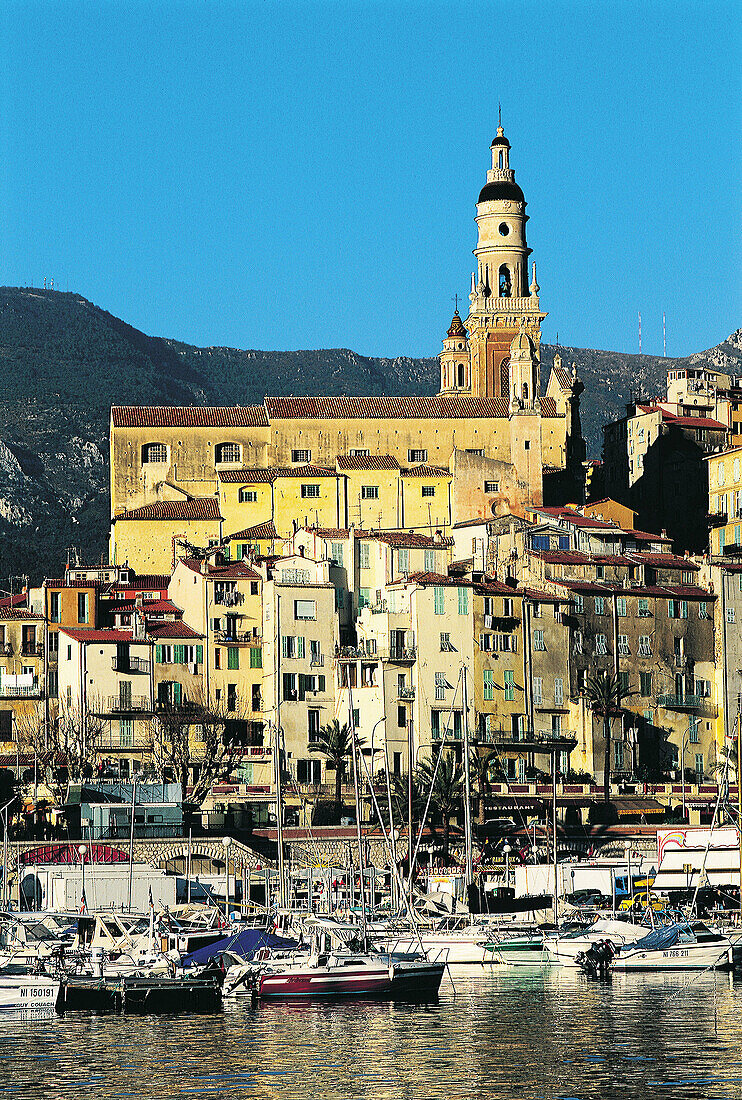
(133, 705)
(717, 519)
(6, 650)
(137, 742)
(688, 703)
(224, 637)
(228, 599)
(317, 661)
(32, 649)
(20, 691)
(401, 654)
(406, 693)
(130, 664)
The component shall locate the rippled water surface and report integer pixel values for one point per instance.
(516, 1033)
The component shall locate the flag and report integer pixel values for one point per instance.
(83, 903)
(151, 901)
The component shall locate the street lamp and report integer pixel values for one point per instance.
(506, 850)
(82, 852)
(226, 844)
(627, 853)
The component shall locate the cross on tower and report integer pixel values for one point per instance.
(455, 300)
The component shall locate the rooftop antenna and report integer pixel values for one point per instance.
(640, 333)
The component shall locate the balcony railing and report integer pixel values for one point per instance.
(130, 664)
(688, 702)
(406, 693)
(716, 519)
(225, 637)
(136, 742)
(399, 653)
(317, 661)
(32, 649)
(229, 599)
(13, 691)
(115, 704)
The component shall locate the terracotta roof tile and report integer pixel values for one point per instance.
(409, 539)
(426, 471)
(110, 636)
(167, 416)
(439, 580)
(367, 462)
(664, 561)
(175, 629)
(233, 570)
(199, 508)
(265, 530)
(548, 407)
(385, 408)
(247, 477)
(10, 613)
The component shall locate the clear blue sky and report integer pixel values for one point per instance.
(300, 175)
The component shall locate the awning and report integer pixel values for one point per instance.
(629, 807)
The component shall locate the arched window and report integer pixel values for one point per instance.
(525, 391)
(462, 375)
(154, 452)
(502, 159)
(505, 285)
(228, 452)
(248, 496)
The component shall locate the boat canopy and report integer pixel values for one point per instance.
(245, 943)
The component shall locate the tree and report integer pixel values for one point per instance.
(66, 747)
(482, 764)
(605, 695)
(447, 785)
(196, 731)
(335, 743)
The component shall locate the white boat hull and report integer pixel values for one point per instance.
(22, 992)
(703, 956)
(453, 949)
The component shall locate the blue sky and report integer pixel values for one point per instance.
(302, 175)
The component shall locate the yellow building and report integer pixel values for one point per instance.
(260, 541)
(21, 670)
(490, 410)
(151, 538)
(725, 501)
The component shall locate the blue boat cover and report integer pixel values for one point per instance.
(244, 943)
(659, 939)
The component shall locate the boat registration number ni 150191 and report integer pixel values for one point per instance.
(679, 954)
(32, 992)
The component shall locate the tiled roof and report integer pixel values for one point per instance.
(407, 539)
(10, 613)
(229, 571)
(548, 407)
(562, 377)
(148, 607)
(438, 580)
(14, 601)
(541, 596)
(426, 471)
(367, 462)
(111, 636)
(247, 477)
(167, 416)
(682, 592)
(562, 557)
(304, 471)
(645, 536)
(330, 532)
(664, 561)
(265, 530)
(576, 518)
(172, 630)
(496, 588)
(385, 408)
(199, 508)
(696, 422)
(470, 523)
(148, 581)
(270, 473)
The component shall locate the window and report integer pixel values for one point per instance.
(509, 685)
(699, 765)
(364, 598)
(621, 607)
(558, 691)
(538, 690)
(577, 642)
(69, 655)
(730, 615)
(217, 655)
(404, 561)
(336, 552)
(488, 685)
(579, 604)
(645, 683)
(440, 685)
(305, 609)
(677, 609)
(463, 601)
(53, 641)
(358, 452)
(538, 640)
(645, 645)
(623, 683)
(309, 772)
(301, 456)
(417, 455)
(492, 486)
(233, 657)
(507, 607)
(312, 725)
(429, 561)
(693, 738)
(228, 452)
(365, 556)
(82, 607)
(289, 685)
(55, 614)
(446, 646)
(600, 572)
(582, 679)
(310, 492)
(428, 490)
(703, 610)
(540, 542)
(439, 600)
(600, 605)
(623, 645)
(601, 648)
(126, 733)
(288, 647)
(248, 496)
(402, 717)
(644, 611)
(154, 452)
(369, 492)
(689, 578)
(618, 754)
(256, 657)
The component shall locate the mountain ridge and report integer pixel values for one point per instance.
(65, 361)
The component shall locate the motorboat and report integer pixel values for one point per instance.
(563, 948)
(455, 940)
(680, 946)
(516, 947)
(336, 965)
(28, 991)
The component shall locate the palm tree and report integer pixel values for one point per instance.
(605, 694)
(482, 765)
(335, 743)
(447, 790)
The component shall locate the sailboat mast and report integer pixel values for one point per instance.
(356, 790)
(277, 762)
(467, 784)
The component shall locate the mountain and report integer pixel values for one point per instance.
(65, 362)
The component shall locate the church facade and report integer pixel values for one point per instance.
(503, 440)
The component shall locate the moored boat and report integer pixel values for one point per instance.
(28, 991)
(679, 946)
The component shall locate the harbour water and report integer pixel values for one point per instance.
(517, 1033)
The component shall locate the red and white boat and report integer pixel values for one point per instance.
(336, 967)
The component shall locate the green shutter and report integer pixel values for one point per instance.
(463, 601)
(489, 684)
(320, 683)
(177, 693)
(233, 657)
(256, 657)
(299, 647)
(178, 655)
(509, 686)
(158, 654)
(199, 654)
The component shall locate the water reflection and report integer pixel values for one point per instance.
(551, 1034)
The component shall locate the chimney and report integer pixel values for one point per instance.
(204, 567)
(438, 537)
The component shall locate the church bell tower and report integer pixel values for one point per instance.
(503, 304)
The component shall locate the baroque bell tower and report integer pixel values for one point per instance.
(503, 304)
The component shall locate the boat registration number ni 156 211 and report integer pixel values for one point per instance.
(678, 954)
